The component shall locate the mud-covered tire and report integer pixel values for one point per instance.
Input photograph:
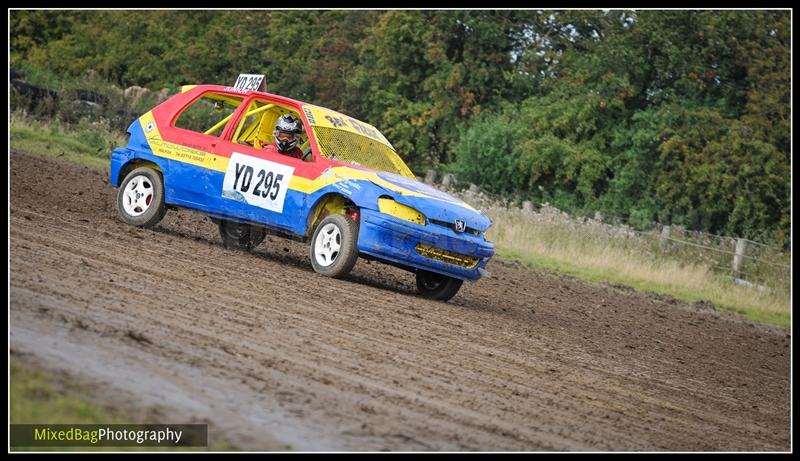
(237, 236)
(436, 286)
(140, 198)
(333, 246)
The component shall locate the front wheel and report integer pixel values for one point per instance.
(140, 198)
(333, 246)
(436, 286)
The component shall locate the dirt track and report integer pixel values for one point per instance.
(275, 356)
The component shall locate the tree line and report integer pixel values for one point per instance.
(678, 117)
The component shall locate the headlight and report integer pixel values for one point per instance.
(398, 210)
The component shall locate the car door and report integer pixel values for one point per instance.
(263, 186)
(195, 134)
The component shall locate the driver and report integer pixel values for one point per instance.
(287, 134)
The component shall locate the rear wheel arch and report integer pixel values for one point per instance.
(136, 163)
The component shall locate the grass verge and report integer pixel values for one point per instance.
(587, 254)
(37, 396)
(84, 144)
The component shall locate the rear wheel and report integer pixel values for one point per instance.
(240, 236)
(140, 198)
(436, 286)
(333, 246)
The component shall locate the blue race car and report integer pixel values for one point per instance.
(259, 164)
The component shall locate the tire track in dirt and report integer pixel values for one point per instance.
(87, 255)
(479, 364)
(525, 360)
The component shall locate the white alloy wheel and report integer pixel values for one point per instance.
(327, 245)
(333, 248)
(138, 195)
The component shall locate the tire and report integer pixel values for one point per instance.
(140, 198)
(333, 246)
(236, 236)
(436, 286)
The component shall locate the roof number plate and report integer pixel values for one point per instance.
(250, 82)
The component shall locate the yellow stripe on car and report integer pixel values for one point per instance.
(177, 152)
(219, 163)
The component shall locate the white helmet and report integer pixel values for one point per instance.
(286, 132)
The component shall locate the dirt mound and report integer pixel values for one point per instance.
(274, 355)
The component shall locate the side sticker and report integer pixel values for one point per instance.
(256, 182)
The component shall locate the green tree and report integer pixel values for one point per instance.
(677, 116)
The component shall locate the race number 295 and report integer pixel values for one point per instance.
(257, 182)
(247, 82)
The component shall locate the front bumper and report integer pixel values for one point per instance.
(386, 237)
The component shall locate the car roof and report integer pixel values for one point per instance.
(232, 90)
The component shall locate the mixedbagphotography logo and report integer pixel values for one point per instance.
(109, 435)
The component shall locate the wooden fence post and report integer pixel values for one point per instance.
(665, 231)
(527, 206)
(448, 181)
(430, 176)
(741, 251)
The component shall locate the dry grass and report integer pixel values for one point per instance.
(590, 250)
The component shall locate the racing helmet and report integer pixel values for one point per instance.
(287, 131)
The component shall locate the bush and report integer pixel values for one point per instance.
(485, 154)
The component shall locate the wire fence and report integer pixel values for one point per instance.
(747, 262)
(743, 261)
(742, 255)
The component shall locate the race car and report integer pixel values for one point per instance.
(349, 194)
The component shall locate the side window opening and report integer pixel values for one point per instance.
(258, 124)
(209, 114)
